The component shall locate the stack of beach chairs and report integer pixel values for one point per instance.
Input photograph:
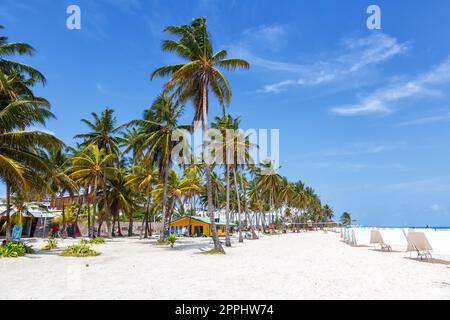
(426, 243)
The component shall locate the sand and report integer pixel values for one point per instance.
(291, 266)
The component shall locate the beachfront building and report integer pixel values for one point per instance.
(197, 226)
(35, 218)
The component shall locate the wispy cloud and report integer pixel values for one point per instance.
(439, 184)
(426, 120)
(355, 149)
(272, 36)
(100, 88)
(382, 99)
(355, 55)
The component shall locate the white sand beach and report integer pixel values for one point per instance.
(291, 266)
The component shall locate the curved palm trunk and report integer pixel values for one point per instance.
(241, 239)
(144, 228)
(217, 245)
(105, 198)
(247, 217)
(130, 225)
(113, 233)
(8, 212)
(227, 209)
(119, 231)
(162, 234)
(89, 210)
(94, 210)
(63, 231)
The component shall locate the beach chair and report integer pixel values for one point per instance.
(360, 237)
(387, 238)
(418, 242)
(376, 238)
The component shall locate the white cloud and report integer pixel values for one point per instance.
(270, 35)
(436, 207)
(100, 88)
(355, 55)
(380, 101)
(426, 120)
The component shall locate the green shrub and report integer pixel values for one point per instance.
(51, 244)
(14, 249)
(161, 243)
(79, 250)
(171, 239)
(97, 240)
(85, 241)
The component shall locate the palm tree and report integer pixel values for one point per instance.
(193, 181)
(120, 199)
(173, 191)
(103, 134)
(20, 165)
(104, 131)
(58, 180)
(346, 219)
(157, 131)
(93, 164)
(194, 79)
(269, 182)
(142, 179)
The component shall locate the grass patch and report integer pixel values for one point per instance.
(96, 240)
(211, 252)
(162, 243)
(14, 249)
(79, 250)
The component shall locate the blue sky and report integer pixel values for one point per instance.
(363, 114)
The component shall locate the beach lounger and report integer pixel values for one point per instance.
(417, 241)
(439, 241)
(387, 238)
(360, 237)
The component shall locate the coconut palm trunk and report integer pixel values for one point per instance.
(63, 207)
(247, 217)
(162, 234)
(144, 228)
(94, 209)
(217, 245)
(241, 238)
(130, 225)
(227, 208)
(105, 198)
(89, 211)
(8, 212)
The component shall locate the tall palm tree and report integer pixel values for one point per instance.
(173, 191)
(58, 180)
(269, 182)
(143, 178)
(346, 219)
(195, 78)
(224, 123)
(193, 181)
(103, 134)
(121, 199)
(20, 165)
(157, 131)
(93, 164)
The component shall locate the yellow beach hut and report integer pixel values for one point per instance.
(199, 226)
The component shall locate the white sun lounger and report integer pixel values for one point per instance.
(387, 238)
(360, 237)
(439, 241)
(417, 241)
